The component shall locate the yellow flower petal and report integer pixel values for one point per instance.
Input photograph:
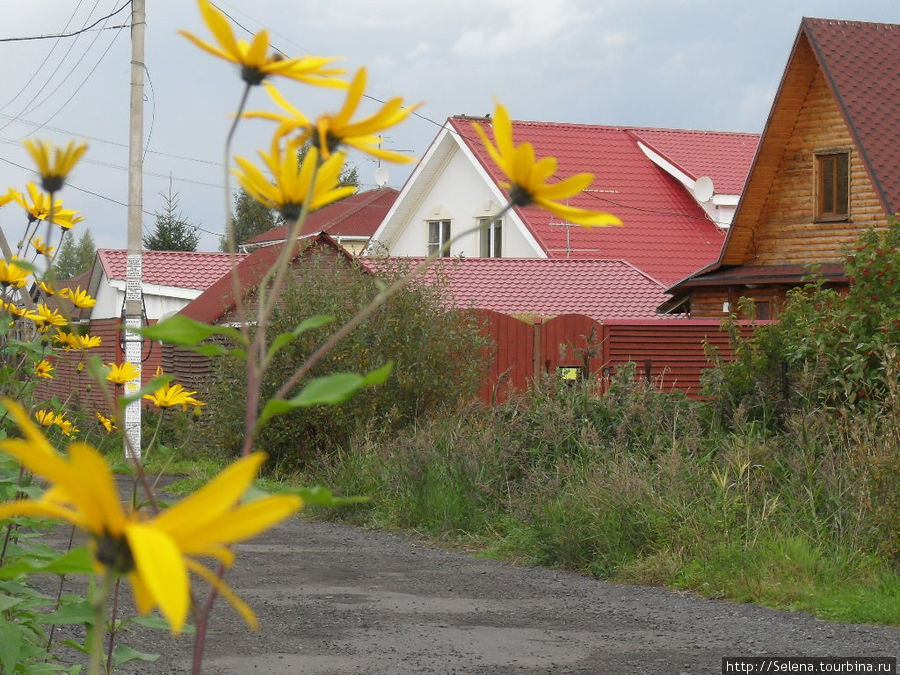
(162, 569)
(239, 605)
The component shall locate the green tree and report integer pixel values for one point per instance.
(250, 219)
(74, 256)
(173, 232)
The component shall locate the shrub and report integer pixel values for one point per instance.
(828, 348)
(438, 356)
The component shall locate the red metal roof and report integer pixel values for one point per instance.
(182, 269)
(666, 233)
(862, 64)
(599, 289)
(723, 156)
(218, 299)
(358, 215)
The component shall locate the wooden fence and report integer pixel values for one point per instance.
(71, 382)
(669, 353)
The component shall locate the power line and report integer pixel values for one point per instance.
(74, 33)
(43, 63)
(81, 84)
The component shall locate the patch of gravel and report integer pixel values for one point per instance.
(334, 599)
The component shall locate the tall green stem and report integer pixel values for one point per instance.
(98, 630)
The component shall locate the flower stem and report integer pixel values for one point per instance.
(98, 629)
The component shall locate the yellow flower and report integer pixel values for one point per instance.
(107, 423)
(331, 131)
(15, 310)
(11, 274)
(528, 177)
(77, 341)
(46, 418)
(46, 317)
(256, 65)
(78, 297)
(53, 173)
(122, 373)
(156, 553)
(44, 369)
(41, 247)
(292, 182)
(66, 426)
(170, 395)
(47, 288)
(37, 206)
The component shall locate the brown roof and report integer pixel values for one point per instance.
(861, 62)
(218, 299)
(358, 215)
(767, 274)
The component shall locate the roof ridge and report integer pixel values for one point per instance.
(607, 127)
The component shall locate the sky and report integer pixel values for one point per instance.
(691, 64)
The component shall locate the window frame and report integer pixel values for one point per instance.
(490, 237)
(827, 170)
(444, 227)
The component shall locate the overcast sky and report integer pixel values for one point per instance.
(698, 64)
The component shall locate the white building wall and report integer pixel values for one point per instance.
(461, 196)
(159, 301)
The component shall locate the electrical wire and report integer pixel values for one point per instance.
(47, 56)
(74, 33)
(80, 85)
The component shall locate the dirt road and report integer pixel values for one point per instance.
(333, 599)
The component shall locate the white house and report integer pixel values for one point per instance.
(675, 190)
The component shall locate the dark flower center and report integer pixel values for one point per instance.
(331, 141)
(52, 184)
(290, 211)
(519, 196)
(252, 75)
(115, 554)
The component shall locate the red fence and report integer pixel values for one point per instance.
(669, 353)
(71, 381)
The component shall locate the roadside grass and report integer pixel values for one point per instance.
(638, 487)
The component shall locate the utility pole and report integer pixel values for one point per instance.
(134, 274)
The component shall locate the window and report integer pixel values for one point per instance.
(491, 237)
(438, 235)
(833, 186)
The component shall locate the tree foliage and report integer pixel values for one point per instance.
(250, 219)
(829, 348)
(74, 256)
(438, 360)
(172, 231)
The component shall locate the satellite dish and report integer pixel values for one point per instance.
(381, 176)
(703, 189)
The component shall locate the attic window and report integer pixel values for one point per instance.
(438, 236)
(491, 237)
(833, 186)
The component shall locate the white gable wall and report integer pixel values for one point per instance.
(460, 194)
(159, 301)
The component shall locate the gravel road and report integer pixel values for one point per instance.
(333, 599)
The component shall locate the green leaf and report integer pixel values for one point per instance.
(76, 561)
(10, 645)
(180, 330)
(124, 654)
(310, 323)
(78, 612)
(7, 601)
(328, 390)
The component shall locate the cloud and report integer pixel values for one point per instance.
(516, 26)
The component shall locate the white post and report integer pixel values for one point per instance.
(133, 277)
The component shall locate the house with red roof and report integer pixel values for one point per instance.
(827, 169)
(171, 279)
(350, 222)
(675, 190)
(532, 288)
